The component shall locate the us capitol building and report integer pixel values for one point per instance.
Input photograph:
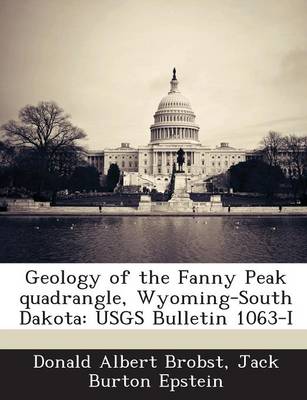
(174, 127)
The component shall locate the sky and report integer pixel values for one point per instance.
(241, 63)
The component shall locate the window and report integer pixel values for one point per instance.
(136, 164)
(145, 162)
(203, 162)
(130, 164)
(159, 170)
(213, 164)
(145, 171)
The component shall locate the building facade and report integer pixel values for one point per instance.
(174, 127)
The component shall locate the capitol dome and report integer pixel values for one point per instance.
(174, 100)
(174, 121)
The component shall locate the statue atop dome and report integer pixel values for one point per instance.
(174, 83)
(174, 74)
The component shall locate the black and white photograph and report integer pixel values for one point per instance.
(153, 131)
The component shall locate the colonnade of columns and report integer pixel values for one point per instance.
(174, 133)
(167, 158)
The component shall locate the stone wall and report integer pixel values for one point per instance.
(14, 204)
(267, 210)
(29, 206)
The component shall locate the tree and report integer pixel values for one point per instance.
(6, 161)
(272, 143)
(7, 154)
(84, 178)
(221, 181)
(47, 131)
(113, 177)
(296, 162)
(26, 171)
(255, 176)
